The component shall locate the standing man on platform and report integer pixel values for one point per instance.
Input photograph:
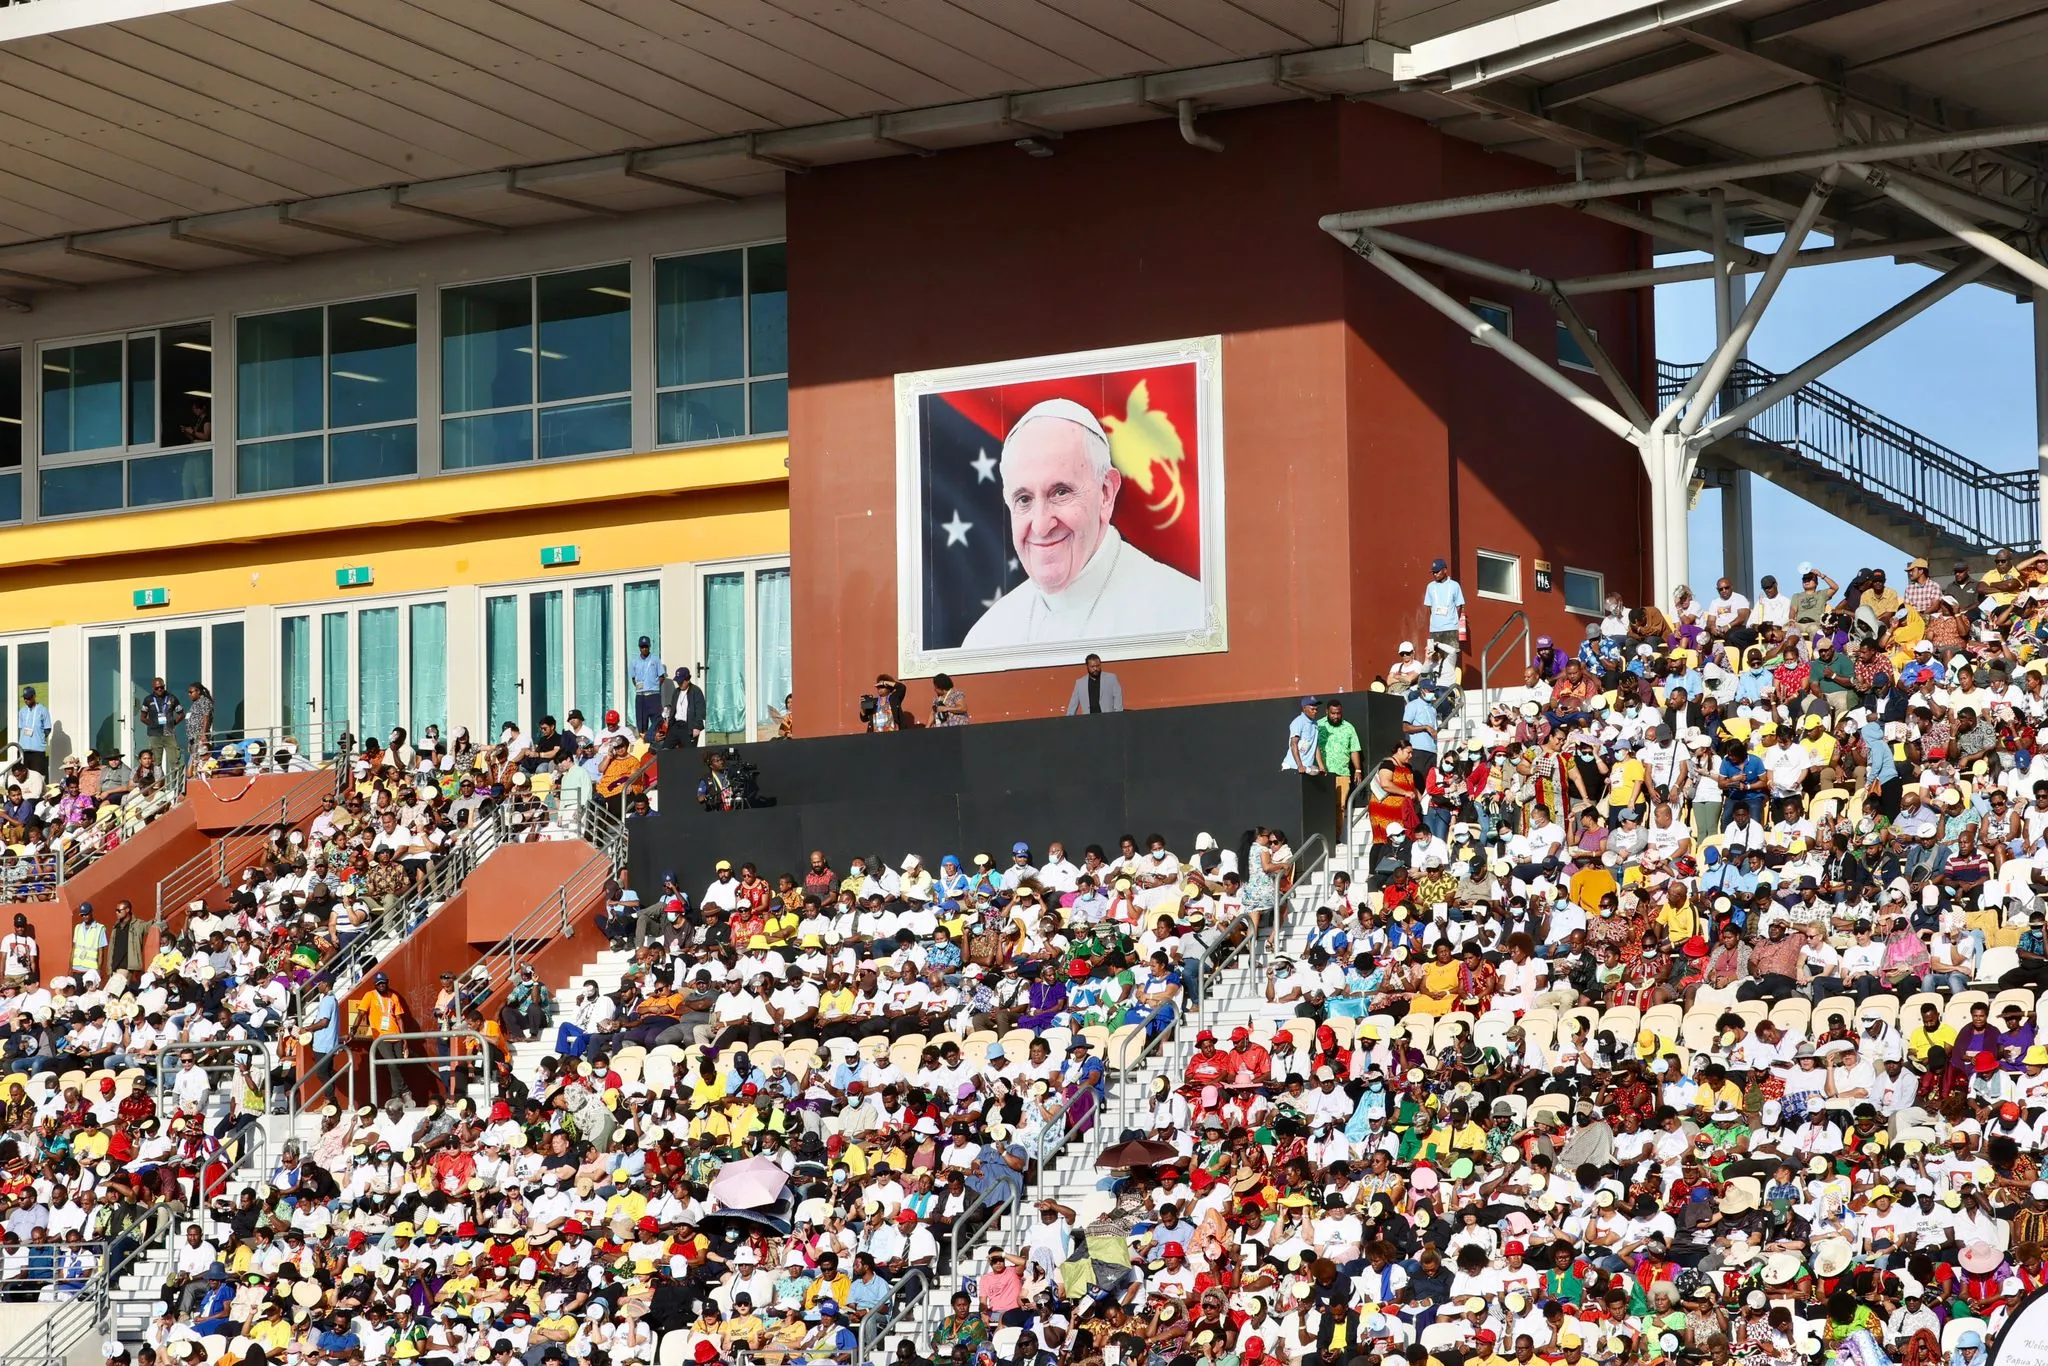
(1095, 691)
(1446, 603)
(88, 944)
(161, 715)
(646, 671)
(1337, 740)
(1304, 741)
(32, 732)
(685, 713)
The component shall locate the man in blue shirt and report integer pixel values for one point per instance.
(325, 1018)
(1418, 727)
(1304, 752)
(1446, 603)
(646, 671)
(32, 732)
(1882, 777)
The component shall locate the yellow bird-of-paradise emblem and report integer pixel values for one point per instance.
(1146, 449)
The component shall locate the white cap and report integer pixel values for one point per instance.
(1406, 647)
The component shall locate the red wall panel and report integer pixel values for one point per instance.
(1363, 435)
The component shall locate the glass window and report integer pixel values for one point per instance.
(429, 643)
(721, 318)
(1500, 576)
(295, 635)
(501, 664)
(595, 683)
(545, 652)
(537, 367)
(1499, 315)
(334, 678)
(103, 691)
(377, 669)
(771, 630)
(1585, 591)
(131, 396)
(327, 395)
(10, 441)
(228, 682)
(725, 655)
(1570, 354)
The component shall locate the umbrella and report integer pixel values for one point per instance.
(1101, 1262)
(1139, 1152)
(749, 1184)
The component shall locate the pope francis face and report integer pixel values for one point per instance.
(1061, 490)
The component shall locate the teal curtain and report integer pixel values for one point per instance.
(725, 653)
(297, 638)
(545, 646)
(429, 627)
(643, 618)
(771, 629)
(228, 681)
(334, 711)
(501, 662)
(377, 669)
(595, 685)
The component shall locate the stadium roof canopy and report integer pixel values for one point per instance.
(150, 136)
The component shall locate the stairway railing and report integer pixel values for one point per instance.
(1983, 507)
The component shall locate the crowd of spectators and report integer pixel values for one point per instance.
(1683, 1007)
(761, 1144)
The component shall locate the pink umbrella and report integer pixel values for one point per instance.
(749, 1184)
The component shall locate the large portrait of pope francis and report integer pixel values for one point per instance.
(1062, 506)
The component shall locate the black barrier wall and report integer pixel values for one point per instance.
(979, 788)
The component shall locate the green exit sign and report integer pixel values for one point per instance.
(355, 576)
(555, 556)
(152, 597)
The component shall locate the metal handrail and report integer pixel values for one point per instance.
(1488, 663)
(484, 1051)
(552, 918)
(92, 1310)
(214, 865)
(1950, 491)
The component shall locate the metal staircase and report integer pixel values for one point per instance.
(1876, 474)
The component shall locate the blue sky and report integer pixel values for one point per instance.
(1961, 373)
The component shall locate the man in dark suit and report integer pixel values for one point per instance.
(1095, 691)
(685, 713)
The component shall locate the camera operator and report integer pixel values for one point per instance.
(718, 791)
(882, 709)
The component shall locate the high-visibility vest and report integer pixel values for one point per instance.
(85, 946)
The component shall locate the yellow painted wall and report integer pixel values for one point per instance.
(623, 513)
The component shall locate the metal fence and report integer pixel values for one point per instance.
(1984, 507)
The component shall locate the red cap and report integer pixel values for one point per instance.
(106, 1086)
(750, 1090)
(611, 718)
(1173, 1250)
(706, 1352)
(500, 1110)
(357, 1238)
(1078, 969)
(465, 1229)
(1254, 1348)
(2010, 1110)
(1515, 1250)
(1486, 1335)
(1240, 1034)
(904, 1216)
(648, 1223)
(1206, 1036)
(1987, 1061)
(573, 1227)
(1201, 1180)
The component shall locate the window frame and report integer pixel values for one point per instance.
(1483, 307)
(746, 379)
(45, 460)
(535, 405)
(1564, 335)
(1564, 574)
(1514, 563)
(327, 431)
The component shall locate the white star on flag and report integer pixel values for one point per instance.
(956, 530)
(984, 468)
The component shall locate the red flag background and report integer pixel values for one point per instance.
(1163, 520)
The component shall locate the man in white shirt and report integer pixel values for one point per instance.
(1728, 612)
(1772, 608)
(724, 891)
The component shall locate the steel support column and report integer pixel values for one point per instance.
(1738, 539)
(2041, 398)
(1666, 460)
